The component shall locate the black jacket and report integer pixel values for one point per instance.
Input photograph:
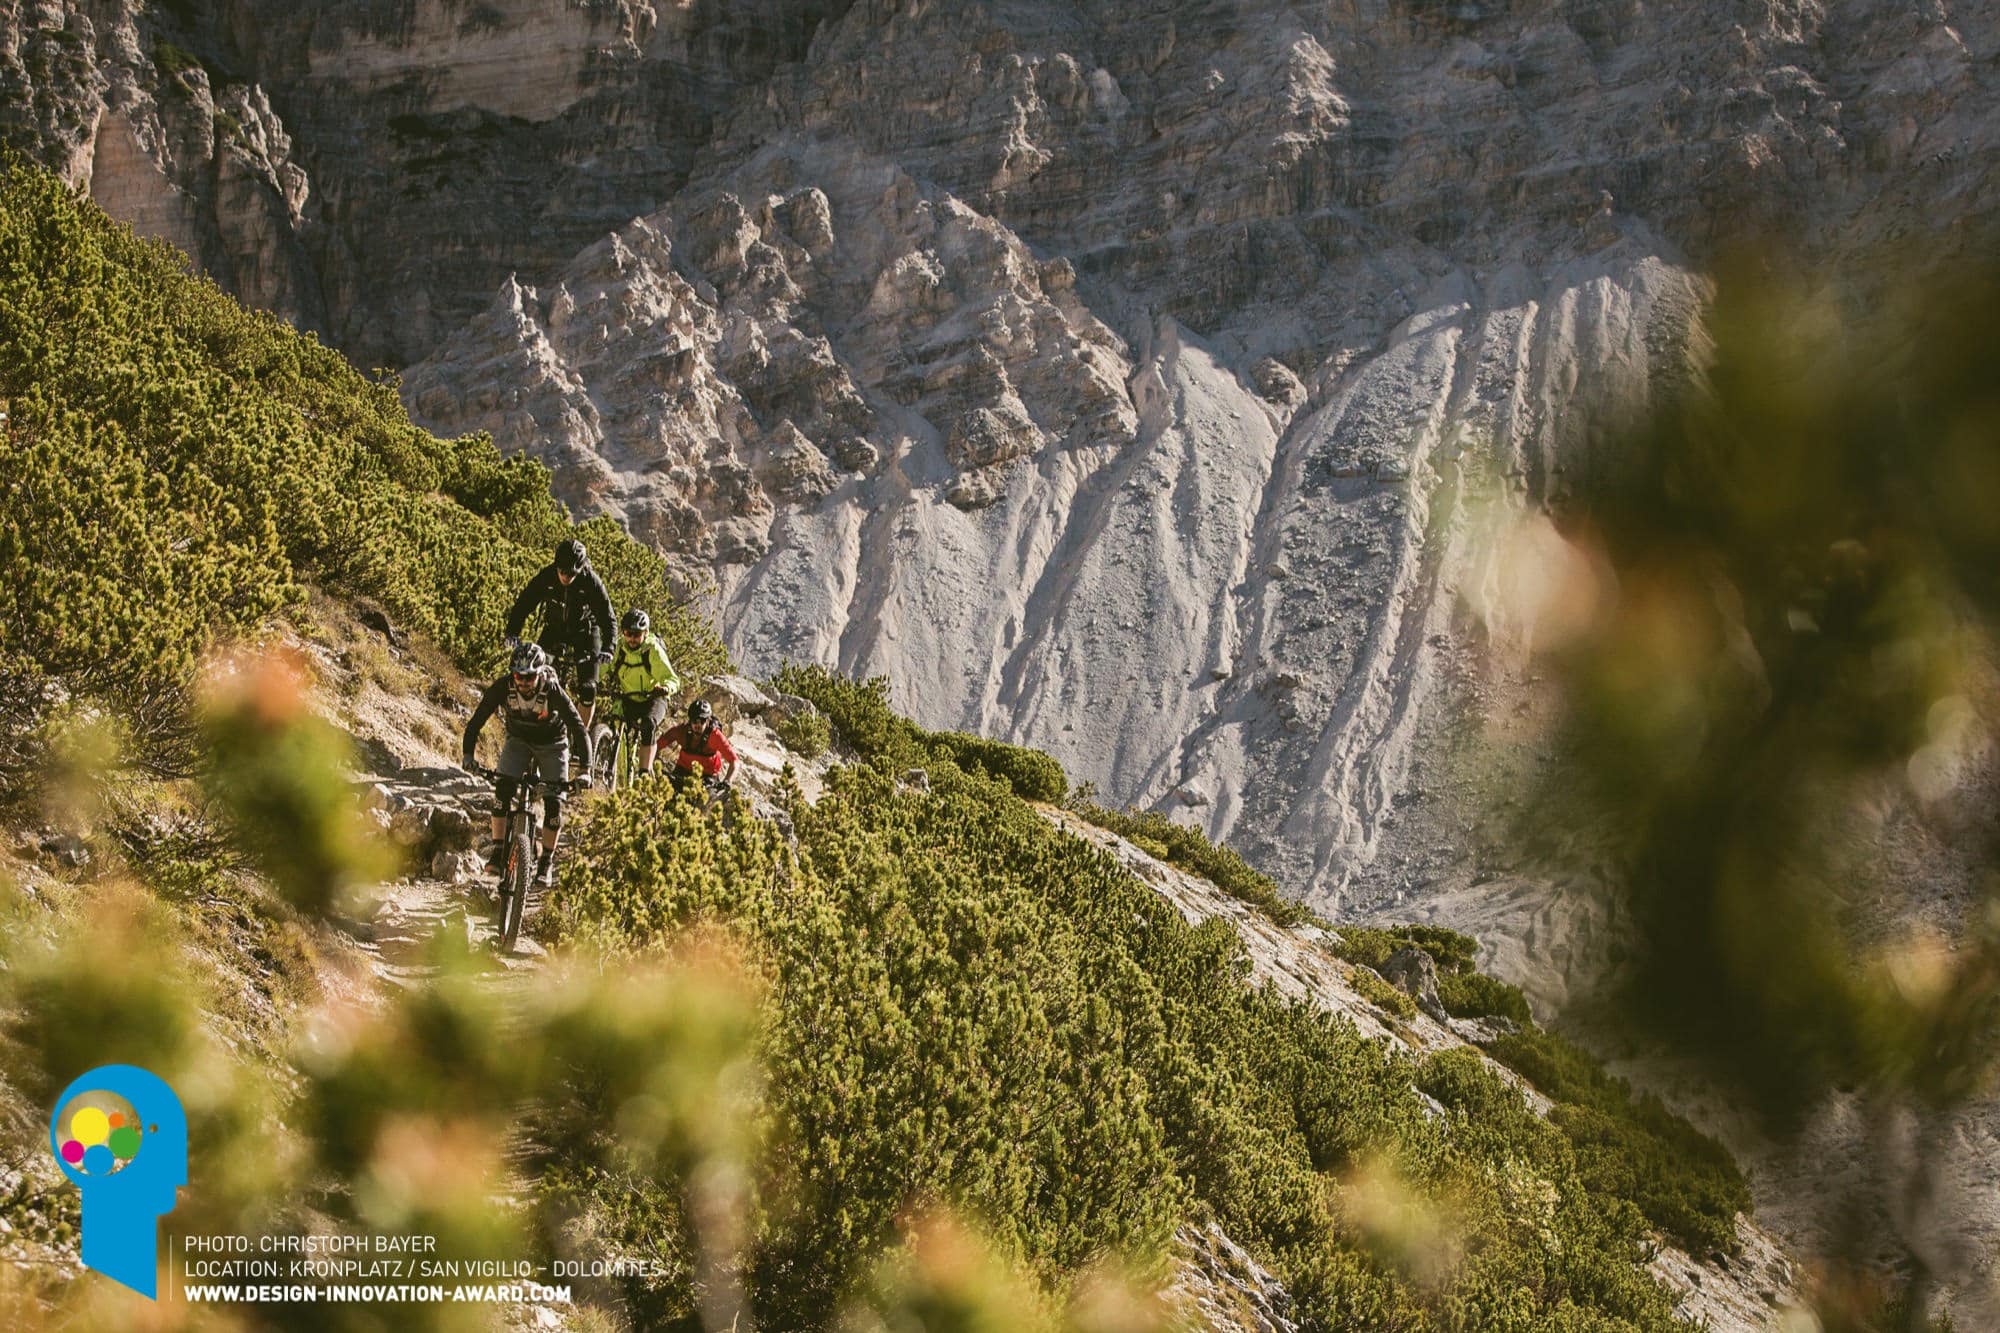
(539, 717)
(567, 613)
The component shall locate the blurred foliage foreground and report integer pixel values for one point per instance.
(1776, 607)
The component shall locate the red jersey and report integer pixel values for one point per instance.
(706, 755)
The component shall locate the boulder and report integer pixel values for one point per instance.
(915, 779)
(735, 696)
(455, 867)
(410, 826)
(1414, 972)
(451, 829)
(785, 707)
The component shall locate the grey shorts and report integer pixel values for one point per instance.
(551, 764)
(551, 760)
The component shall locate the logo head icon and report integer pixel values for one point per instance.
(120, 1134)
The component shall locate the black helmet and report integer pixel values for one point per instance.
(699, 711)
(634, 621)
(528, 660)
(569, 555)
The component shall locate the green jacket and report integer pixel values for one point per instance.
(641, 670)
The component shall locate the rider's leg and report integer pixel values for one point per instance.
(586, 690)
(545, 864)
(550, 759)
(551, 823)
(649, 727)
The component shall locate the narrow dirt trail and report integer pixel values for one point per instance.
(436, 814)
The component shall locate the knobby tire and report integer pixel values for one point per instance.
(514, 892)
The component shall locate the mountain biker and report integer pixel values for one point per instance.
(640, 667)
(703, 747)
(576, 614)
(542, 725)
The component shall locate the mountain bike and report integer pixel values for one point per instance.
(523, 843)
(615, 737)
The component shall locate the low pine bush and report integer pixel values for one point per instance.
(1464, 992)
(969, 1008)
(182, 468)
(1381, 994)
(805, 734)
(1476, 995)
(1033, 775)
(860, 712)
(1189, 848)
(1681, 1179)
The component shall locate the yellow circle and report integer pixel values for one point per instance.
(90, 1127)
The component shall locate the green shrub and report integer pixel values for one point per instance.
(1681, 1179)
(805, 734)
(1452, 951)
(1381, 994)
(1684, 1182)
(1371, 946)
(173, 61)
(1033, 775)
(1476, 995)
(1189, 848)
(181, 468)
(860, 712)
(971, 1008)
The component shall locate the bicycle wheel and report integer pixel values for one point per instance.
(604, 748)
(514, 888)
(628, 754)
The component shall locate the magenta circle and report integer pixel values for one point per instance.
(72, 1152)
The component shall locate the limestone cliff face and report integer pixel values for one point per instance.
(415, 152)
(163, 141)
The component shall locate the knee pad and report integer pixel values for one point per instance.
(647, 729)
(552, 807)
(586, 680)
(503, 796)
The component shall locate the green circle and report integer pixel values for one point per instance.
(124, 1142)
